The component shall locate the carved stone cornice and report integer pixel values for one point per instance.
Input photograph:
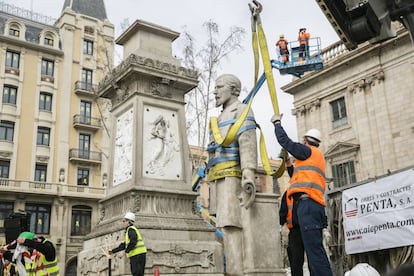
(134, 60)
(365, 82)
(301, 110)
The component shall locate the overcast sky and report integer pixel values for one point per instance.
(277, 17)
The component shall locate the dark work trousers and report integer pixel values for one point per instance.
(296, 252)
(312, 219)
(137, 263)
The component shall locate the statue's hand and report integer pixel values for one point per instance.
(248, 193)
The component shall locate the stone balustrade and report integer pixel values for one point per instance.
(58, 189)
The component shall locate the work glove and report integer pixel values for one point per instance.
(276, 118)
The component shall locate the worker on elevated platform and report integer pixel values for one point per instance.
(303, 39)
(282, 43)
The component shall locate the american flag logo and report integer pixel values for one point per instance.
(351, 207)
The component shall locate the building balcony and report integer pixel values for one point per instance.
(85, 89)
(85, 122)
(12, 71)
(33, 187)
(53, 189)
(6, 148)
(47, 78)
(85, 156)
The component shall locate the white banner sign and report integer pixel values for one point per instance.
(380, 214)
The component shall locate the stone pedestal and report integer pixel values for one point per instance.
(151, 172)
(262, 237)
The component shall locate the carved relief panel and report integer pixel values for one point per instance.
(161, 144)
(123, 148)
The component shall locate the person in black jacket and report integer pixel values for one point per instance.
(134, 246)
(295, 249)
(47, 249)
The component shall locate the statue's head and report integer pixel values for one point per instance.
(227, 89)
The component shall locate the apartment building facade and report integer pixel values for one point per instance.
(54, 140)
(361, 102)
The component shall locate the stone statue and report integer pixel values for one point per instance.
(232, 168)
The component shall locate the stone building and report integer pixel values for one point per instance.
(53, 135)
(362, 102)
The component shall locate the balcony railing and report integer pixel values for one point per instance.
(82, 121)
(28, 14)
(85, 88)
(54, 189)
(79, 155)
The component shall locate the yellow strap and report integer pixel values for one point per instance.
(214, 174)
(231, 134)
(255, 46)
(259, 39)
(268, 68)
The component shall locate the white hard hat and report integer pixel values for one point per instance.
(315, 134)
(130, 216)
(362, 269)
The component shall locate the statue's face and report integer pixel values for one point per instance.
(222, 92)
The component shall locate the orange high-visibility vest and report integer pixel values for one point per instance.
(282, 43)
(304, 38)
(308, 177)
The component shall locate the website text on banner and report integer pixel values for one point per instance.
(379, 214)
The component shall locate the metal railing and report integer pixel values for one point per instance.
(85, 86)
(28, 14)
(85, 154)
(86, 120)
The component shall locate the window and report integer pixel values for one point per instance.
(4, 169)
(343, 174)
(6, 209)
(81, 220)
(48, 40)
(14, 30)
(45, 101)
(85, 112)
(9, 94)
(6, 131)
(84, 142)
(39, 218)
(87, 79)
(40, 172)
(83, 176)
(12, 59)
(88, 47)
(47, 67)
(43, 136)
(339, 112)
(89, 30)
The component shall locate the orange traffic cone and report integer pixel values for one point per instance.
(156, 271)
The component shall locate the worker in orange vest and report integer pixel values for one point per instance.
(303, 39)
(305, 194)
(282, 43)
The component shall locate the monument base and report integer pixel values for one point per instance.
(262, 237)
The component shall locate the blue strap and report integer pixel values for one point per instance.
(218, 160)
(213, 146)
(232, 121)
(243, 129)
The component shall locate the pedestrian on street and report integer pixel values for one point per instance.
(306, 191)
(133, 246)
(43, 257)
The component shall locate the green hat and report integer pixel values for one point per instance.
(27, 235)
